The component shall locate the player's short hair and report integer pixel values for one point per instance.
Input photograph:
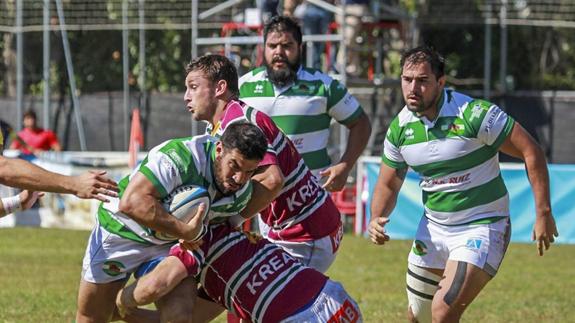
(30, 114)
(215, 68)
(247, 138)
(424, 54)
(283, 24)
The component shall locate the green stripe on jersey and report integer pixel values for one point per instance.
(111, 225)
(463, 200)
(445, 167)
(316, 159)
(182, 158)
(152, 178)
(301, 124)
(337, 92)
(504, 133)
(392, 163)
(353, 117)
(257, 89)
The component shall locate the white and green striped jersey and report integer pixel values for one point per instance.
(176, 162)
(303, 110)
(456, 156)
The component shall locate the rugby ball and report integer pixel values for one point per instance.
(182, 203)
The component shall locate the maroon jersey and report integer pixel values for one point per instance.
(303, 211)
(255, 280)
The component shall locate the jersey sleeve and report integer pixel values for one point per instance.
(341, 105)
(391, 154)
(167, 166)
(272, 133)
(491, 124)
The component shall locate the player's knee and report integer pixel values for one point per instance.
(421, 287)
(152, 290)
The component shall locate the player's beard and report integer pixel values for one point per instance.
(284, 76)
(425, 105)
(220, 181)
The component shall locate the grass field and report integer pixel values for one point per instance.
(40, 269)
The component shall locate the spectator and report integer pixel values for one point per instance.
(355, 10)
(33, 139)
(269, 8)
(315, 21)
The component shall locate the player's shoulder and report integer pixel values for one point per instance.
(257, 74)
(312, 74)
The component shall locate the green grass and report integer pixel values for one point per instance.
(40, 270)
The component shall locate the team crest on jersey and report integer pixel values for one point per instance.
(419, 248)
(113, 268)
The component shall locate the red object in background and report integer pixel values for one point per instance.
(345, 202)
(136, 138)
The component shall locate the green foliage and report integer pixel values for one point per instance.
(40, 271)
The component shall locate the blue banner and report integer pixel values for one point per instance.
(409, 208)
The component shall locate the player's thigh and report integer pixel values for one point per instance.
(109, 257)
(96, 302)
(206, 310)
(178, 304)
(460, 285)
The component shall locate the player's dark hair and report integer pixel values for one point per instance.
(30, 114)
(247, 138)
(215, 68)
(283, 24)
(424, 54)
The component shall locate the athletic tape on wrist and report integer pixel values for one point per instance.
(12, 204)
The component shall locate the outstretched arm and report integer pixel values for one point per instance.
(22, 201)
(22, 174)
(521, 145)
(359, 133)
(383, 201)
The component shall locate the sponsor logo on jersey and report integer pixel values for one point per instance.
(298, 142)
(476, 112)
(335, 238)
(259, 89)
(346, 313)
(473, 244)
(409, 134)
(169, 165)
(268, 270)
(450, 180)
(491, 120)
(177, 159)
(419, 248)
(302, 195)
(113, 268)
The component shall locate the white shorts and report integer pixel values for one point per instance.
(332, 305)
(482, 245)
(110, 257)
(318, 254)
